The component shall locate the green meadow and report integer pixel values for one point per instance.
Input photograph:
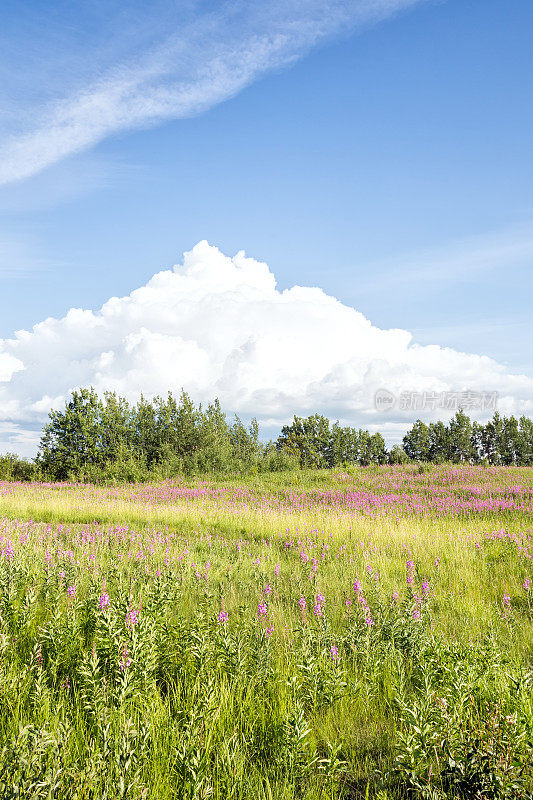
(361, 633)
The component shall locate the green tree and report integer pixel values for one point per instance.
(344, 442)
(397, 455)
(186, 421)
(491, 440)
(510, 441)
(71, 442)
(13, 468)
(460, 438)
(476, 439)
(364, 448)
(438, 442)
(416, 442)
(215, 453)
(245, 445)
(525, 427)
(378, 451)
(308, 439)
(116, 427)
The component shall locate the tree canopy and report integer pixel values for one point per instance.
(106, 438)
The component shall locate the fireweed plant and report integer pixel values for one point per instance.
(367, 636)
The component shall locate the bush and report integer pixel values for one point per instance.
(279, 461)
(13, 468)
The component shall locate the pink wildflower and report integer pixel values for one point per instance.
(103, 601)
(131, 618)
(125, 660)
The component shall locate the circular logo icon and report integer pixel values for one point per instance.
(384, 400)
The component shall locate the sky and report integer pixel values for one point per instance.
(370, 157)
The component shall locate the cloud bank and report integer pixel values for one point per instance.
(218, 326)
(205, 60)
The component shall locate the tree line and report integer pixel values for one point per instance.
(107, 439)
(502, 440)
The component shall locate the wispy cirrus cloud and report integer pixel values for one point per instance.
(19, 257)
(462, 260)
(206, 58)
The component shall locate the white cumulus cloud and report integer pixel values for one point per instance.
(218, 326)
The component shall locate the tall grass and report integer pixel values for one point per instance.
(260, 648)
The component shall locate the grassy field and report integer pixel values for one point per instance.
(365, 633)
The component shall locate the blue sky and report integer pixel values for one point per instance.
(384, 157)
